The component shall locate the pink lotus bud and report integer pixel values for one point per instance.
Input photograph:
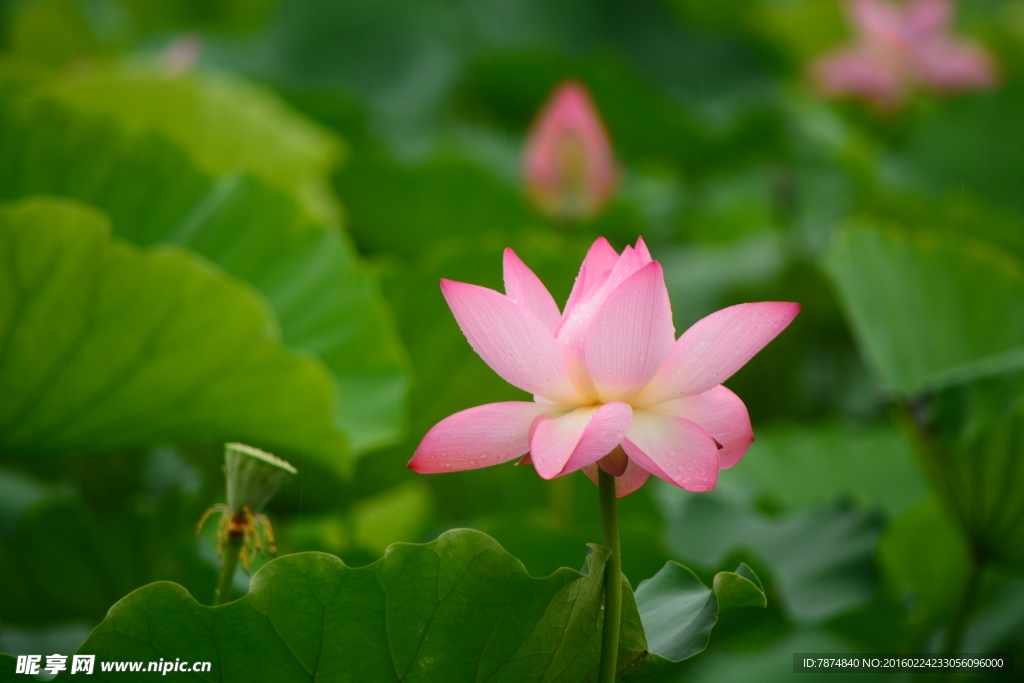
(899, 47)
(568, 166)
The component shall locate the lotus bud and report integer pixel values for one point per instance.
(569, 167)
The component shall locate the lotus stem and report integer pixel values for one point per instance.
(232, 551)
(612, 579)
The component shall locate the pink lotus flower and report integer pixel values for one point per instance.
(568, 166)
(608, 372)
(899, 47)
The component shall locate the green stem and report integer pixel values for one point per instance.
(612, 579)
(560, 496)
(227, 571)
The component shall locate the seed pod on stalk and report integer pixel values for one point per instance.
(253, 477)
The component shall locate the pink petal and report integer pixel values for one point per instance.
(512, 340)
(673, 449)
(716, 347)
(478, 437)
(572, 333)
(633, 478)
(926, 17)
(877, 19)
(948, 65)
(599, 260)
(560, 445)
(721, 414)
(858, 72)
(642, 251)
(629, 262)
(630, 335)
(526, 289)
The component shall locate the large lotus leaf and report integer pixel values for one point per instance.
(104, 346)
(459, 608)
(929, 309)
(326, 301)
(225, 123)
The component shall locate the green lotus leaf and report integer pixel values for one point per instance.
(929, 310)
(678, 611)
(226, 124)
(459, 608)
(326, 301)
(106, 346)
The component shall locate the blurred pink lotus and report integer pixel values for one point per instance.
(899, 47)
(568, 165)
(607, 373)
(182, 55)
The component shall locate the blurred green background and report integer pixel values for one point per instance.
(225, 220)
